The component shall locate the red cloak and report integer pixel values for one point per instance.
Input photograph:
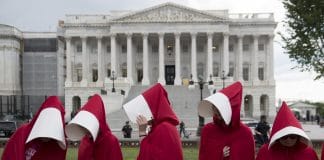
(322, 156)
(17, 148)
(285, 124)
(299, 152)
(163, 141)
(216, 135)
(106, 145)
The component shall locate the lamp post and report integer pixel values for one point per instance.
(223, 78)
(201, 84)
(113, 79)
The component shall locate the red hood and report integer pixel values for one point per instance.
(159, 104)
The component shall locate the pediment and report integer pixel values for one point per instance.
(169, 12)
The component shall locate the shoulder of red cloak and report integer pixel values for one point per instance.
(108, 141)
(263, 152)
(322, 155)
(86, 149)
(161, 142)
(311, 153)
(15, 147)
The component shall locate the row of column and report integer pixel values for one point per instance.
(161, 78)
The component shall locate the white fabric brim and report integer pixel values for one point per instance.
(137, 106)
(289, 130)
(83, 123)
(49, 124)
(221, 102)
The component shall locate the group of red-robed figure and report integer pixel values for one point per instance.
(225, 138)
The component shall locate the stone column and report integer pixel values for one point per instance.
(239, 66)
(161, 78)
(254, 59)
(256, 106)
(100, 63)
(177, 79)
(194, 56)
(129, 59)
(85, 62)
(209, 55)
(113, 53)
(68, 81)
(270, 72)
(145, 80)
(225, 59)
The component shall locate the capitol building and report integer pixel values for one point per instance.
(119, 55)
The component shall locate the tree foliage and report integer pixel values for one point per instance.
(304, 34)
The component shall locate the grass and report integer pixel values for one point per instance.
(131, 153)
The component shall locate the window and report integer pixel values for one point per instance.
(231, 72)
(79, 48)
(124, 72)
(261, 47)
(231, 47)
(200, 48)
(108, 49)
(245, 47)
(185, 48)
(261, 73)
(170, 50)
(216, 48)
(245, 73)
(124, 48)
(139, 48)
(155, 48)
(215, 71)
(108, 72)
(94, 75)
(79, 74)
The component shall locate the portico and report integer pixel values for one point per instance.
(168, 43)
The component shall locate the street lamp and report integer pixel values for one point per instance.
(223, 78)
(201, 84)
(113, 80)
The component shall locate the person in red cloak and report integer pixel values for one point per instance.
(42, 138)
(98, 142)
(322, 156)
(287, 139)
(153, 108)
(226, 137)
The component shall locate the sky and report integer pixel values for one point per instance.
(43, 15)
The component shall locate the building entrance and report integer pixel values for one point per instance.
(169, 74)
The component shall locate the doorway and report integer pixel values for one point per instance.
(169, 74)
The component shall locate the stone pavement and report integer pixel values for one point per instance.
(315, 132)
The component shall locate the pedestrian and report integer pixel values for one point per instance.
(158, 135)
(127, 130)
(226, 137)
(89, 125)
(287, 139)
(182, 129)
(42, 138)
(262, 131)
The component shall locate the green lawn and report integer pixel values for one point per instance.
(131, 153)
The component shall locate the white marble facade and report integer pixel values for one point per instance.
(10, 52)
(167, 43)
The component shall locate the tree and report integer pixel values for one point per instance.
(304, 35)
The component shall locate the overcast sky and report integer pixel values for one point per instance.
(43, 15)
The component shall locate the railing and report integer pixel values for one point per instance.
(252, 16)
